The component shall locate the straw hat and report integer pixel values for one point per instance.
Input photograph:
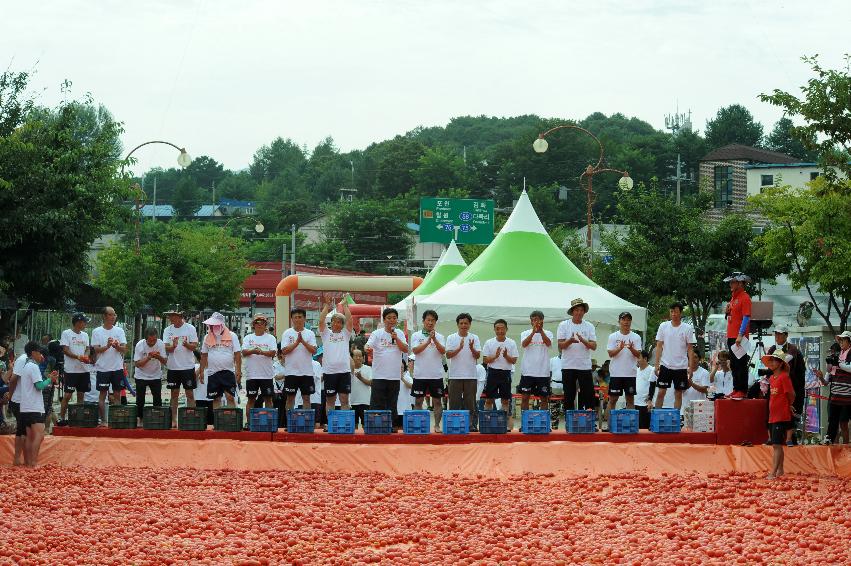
(777, 355)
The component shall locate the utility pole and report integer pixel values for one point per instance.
(675, 123)
(155, 198)
(292, 259)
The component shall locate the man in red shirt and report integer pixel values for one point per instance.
(780, 404)
(738, 315)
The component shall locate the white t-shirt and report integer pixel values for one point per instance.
(624, 363)
(361, 392)
(278, 369)
(675, 341)
(78, 344)
(643, 379)
(699, 377)
(316, 397)
(111, 359)
(536, 356)
(490, 348)
(181, 357)
(405, 399)
(463, 365)
(335, 351)
(430, 361)
(576, 356)
(92, 395)
(257, 366)
(153, 369)
(18, 369)
(555, 375)
(481, 380)
(201, 388)
(32, 400)
(300, 360)
(220, 356)
(386, 356)
(724, 382)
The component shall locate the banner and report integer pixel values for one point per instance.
(810, 348)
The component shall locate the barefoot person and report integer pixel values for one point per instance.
(674, 351)
(500, 354)
(109, 344)
(75, 347)
(31, 419)
(258, 352)
(336, 363)
(624, 349)
(181, 340)
(429, 346)
(780, 407)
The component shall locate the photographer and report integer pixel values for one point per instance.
(839, 377)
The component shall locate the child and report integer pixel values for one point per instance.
(779, 406)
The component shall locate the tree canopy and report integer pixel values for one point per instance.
(733, 124)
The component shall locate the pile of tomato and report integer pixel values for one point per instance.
(163, 516)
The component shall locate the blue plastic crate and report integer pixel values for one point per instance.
(378, 422)
(535, 422)
(263, 420)
(493, 422)
(456, 422)
(341, 422)
(301, 420)
(416, 422)
(623, 421)
(665, 420)
(581, 422)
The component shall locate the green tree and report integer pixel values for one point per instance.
(733, 124)
(372, 231)
(15, 101)
(781, 139)
(186, 199)
(823, 109)
(206, 172)
(438, 169)
(809, 238)
(239, 186)
(283, 157)
(398, 160)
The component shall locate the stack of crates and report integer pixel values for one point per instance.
(83, 415)
(416, 422)
(700, 416)
(301, 420)
(227, 419)
(341, 422)
(581, 422)
(263, 420)
(623, 421)
(156, 418)
(122, 416)
(378, 422)
(456, 422)
(535, 422)
(192, 418)
(493, 422)
(665, 420)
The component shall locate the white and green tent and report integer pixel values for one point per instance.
(520, 271)
(448, 266)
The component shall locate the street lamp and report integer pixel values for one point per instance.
(540, 145)
(258, 226)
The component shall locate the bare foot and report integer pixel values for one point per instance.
(779, 474)
(770, 477)
(17, 463)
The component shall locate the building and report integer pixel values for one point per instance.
(233, 207)
(762, 175)
(166, 212)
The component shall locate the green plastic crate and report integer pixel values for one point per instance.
(156, 418)
(122, 416)
(83, 415)
(192, 418)
(227, 419)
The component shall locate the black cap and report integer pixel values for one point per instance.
(78, 316)
(625, 314)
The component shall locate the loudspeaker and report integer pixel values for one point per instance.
(762, 313)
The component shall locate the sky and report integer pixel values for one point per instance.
(223, 78)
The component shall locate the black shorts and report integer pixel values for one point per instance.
(295, 383)
(677, 377)
(16, 409)
(79, 382)
(221, 382)
(175, 378)
(777, 432)
(622, 386)
(534, 385)
(337, 383)
(498, 384)
(107, 379)
(434, 388)
(26, 420)
(264, 387)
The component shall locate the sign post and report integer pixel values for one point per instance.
(467, 221)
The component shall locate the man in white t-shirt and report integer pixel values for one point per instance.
(535, 367)
(645, 386)
(361, 386)
(463, 349)
(298, 345)
(674, 351)
(149, 355)
(109, 344)
(336, 362)
(221, 354)
(181, 341)
(429, 346)
(75, 348)
(624, 349)
(698, 385)
(500, 353)
(576, 340)
(387, 345)
(258, 352)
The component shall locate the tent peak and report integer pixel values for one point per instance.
(523, 218)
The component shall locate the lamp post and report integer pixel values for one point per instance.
(183, 160)
(258, 226)
(540, 145)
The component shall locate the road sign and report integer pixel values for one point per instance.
(468, 221)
